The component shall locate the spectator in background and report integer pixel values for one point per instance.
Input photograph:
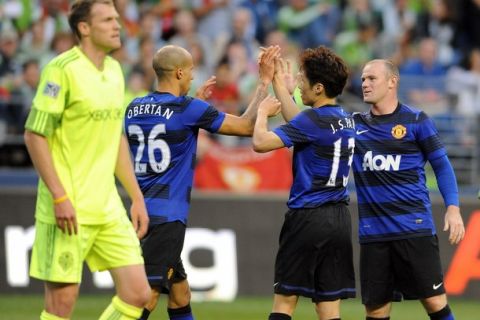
(225, 96)
(469, 24)
(165, 11)
(22, 96)
(135, 86)
(357, 46)
(214, 19)
(423, 77)
(9, 65)
(33, 44)
(398, 22)
(264, 13)
(463, 82)
(243, 32)
(54, 17)
(143, 63)
(359, 12)
(186, 36)
(129, 17)
(150, 28)
(439, 22)
(244, 71)
(309, 25)
(61, 42)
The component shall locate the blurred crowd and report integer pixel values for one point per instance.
(436, 43)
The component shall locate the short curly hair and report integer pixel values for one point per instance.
(322, 65)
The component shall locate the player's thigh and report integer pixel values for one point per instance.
(115, 245)
(57, 256)
(418, 269)
(162, 248)
(376, 274)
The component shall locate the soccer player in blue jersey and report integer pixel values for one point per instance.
(162, 130)
(314, 259)
(399, 246)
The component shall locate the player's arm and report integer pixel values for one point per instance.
(447, 183)
(264, 140)
(39, 151)
(125, 174)
(283, 86)
(243, 125)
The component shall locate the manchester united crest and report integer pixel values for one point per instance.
(399, 131)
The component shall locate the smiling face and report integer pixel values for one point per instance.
(103, 28)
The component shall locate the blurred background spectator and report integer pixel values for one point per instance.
(435, 42)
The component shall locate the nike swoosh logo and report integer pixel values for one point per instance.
(436, 286)
(359, 132)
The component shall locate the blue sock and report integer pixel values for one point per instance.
(444, 314)
(183, 313)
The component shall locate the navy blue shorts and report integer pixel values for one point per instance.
(408, 269)
(315, 258)
(162, 247)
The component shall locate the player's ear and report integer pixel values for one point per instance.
(83, 28)
(393, 82)
(179, 73)
(318, 88)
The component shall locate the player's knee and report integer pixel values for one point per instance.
(435, 303)
(62, 305)
(144, 296)
(378, 311)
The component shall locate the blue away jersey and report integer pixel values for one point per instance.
(323, 141)
(162, 132)
(388, 165)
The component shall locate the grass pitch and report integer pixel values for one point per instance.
(89, 307)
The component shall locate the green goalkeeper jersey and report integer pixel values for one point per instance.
(79, 109)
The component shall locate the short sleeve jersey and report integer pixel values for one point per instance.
(323, 141)
(79, 109)
(162, 133)
(390, 155)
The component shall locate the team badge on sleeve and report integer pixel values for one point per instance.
(399, 131)
(51, 89)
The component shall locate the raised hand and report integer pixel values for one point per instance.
(270, 106)
(205, 90)
(283, 73)
(266, 63)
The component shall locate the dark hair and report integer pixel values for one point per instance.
(322, 65)
(28, 63)
(80, 12)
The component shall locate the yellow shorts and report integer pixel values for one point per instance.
(58, 257)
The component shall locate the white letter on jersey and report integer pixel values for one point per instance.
(381, 162)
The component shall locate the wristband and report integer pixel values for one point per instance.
(60, 200)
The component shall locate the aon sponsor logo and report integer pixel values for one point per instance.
(381, 162)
